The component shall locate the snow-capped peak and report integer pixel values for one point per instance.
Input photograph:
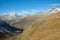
(54, 10)
(12, 14)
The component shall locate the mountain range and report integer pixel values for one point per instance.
(39, 26)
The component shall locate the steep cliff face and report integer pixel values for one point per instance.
(45, 29)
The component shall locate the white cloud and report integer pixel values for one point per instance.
(1, 13)
(54, 4)
(27, 12)
(34, 10)
(23, 13)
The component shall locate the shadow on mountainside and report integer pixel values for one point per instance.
(6, 30)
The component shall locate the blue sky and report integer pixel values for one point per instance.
(25, 5)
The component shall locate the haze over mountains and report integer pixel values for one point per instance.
(39, 26)
(14, 16)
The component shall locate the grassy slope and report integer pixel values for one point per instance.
(46, 29)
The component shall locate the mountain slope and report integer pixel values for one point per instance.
(46, 29)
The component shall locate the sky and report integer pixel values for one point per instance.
(26, 5)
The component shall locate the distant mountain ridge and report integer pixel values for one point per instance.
(14, 15)
(24, 20)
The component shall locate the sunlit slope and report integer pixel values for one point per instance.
(46, 29)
